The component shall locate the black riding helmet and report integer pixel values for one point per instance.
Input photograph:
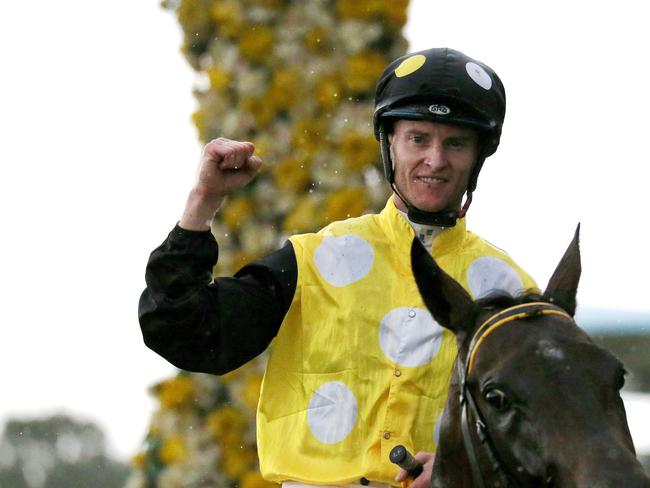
(440, 85)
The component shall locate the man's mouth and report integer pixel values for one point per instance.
(431, 179)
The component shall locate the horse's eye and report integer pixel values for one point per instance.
(497, 399)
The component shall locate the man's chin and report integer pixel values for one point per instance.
(424, 205)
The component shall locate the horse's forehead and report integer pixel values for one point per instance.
(551, 349)
(551, 346)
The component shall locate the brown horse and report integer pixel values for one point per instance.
(533, 401)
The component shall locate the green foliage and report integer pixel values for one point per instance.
(57, 452)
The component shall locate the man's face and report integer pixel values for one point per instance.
(433, 163)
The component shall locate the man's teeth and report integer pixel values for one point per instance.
(431, 179)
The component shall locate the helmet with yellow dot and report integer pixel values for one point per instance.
(441, 85)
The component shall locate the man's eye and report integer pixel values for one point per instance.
(417, 139)
(456, 143)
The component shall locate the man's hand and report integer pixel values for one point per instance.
(424, 480)
(226, 166)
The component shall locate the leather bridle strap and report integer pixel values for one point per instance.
(511, 314)
(467, 402)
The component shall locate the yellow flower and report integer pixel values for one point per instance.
(228, 16)
(139, 460)
(308, 136)
(237, 211)
(253, 479)
(345, 203)
(256, 42)
(316, 39)
(219, 78)
(291, 174)
(176, 392)
(270, 4)
(200, 122)
(396, 11)
(358, 150)
(197, 29)
(227, 425)
(174, 450)
(285, 89)
(251, 391)
(192, 15)
(236, 460)
(359, 9)
(327, 92)
(263, 145)
(259, 107)
(362, 71)
(306, 216)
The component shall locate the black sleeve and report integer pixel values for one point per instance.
(212, 327)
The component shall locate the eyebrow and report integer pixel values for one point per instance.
(460, 137)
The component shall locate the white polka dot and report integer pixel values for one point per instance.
(332, 412)
(479, 75)
(488, 274)
(410, 336)
(343, 260)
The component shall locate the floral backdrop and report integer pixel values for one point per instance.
(296, 78)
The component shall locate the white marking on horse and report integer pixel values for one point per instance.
(550, 350)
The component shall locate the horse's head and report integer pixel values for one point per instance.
(548, 396)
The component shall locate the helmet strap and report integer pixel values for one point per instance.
(439, 219)
(468, 202)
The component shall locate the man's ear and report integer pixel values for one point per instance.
(563, 285)
(445, 298)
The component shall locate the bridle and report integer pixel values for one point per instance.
(467, 402)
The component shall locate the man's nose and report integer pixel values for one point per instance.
(435, 155)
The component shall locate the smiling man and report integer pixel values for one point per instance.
(433, 163)
(358, 364)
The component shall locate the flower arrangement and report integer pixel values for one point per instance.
(297, 79)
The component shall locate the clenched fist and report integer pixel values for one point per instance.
(225, 167)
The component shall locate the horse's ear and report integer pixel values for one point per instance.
(563, 285)
(445, 298)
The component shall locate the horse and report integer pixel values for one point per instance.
(533, 401)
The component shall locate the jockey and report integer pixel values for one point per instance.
(358, 364)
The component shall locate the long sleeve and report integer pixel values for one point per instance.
(212, 327)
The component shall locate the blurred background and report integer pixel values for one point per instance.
(103, 111)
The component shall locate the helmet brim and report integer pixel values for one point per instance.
(422, 112)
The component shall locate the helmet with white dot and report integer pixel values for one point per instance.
(441, 85)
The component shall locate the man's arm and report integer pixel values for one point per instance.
(212, 327)
(194, 323)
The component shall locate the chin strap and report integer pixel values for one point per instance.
(439, 219)
(468, 202)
